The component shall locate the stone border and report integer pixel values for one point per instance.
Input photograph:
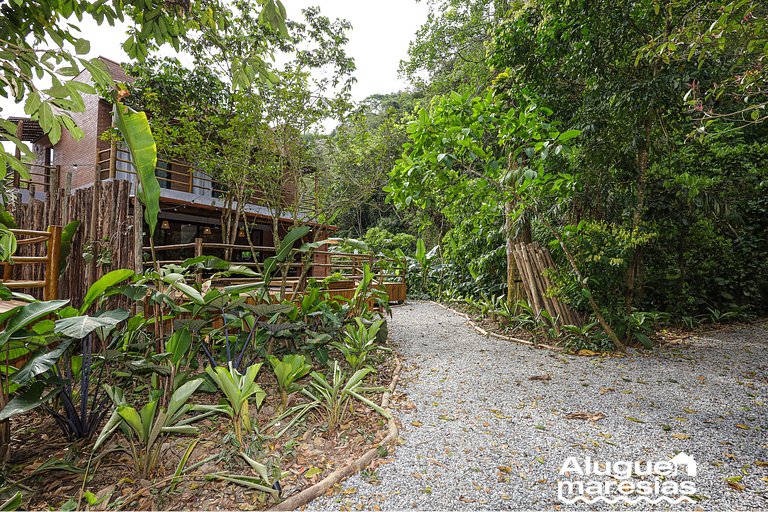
(318, 489)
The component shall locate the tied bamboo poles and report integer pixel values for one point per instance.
(532, 262)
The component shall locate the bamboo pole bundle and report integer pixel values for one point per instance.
(533, 261)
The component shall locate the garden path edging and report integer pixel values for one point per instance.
(491, 334)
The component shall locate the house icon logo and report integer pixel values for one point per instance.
(683, 459)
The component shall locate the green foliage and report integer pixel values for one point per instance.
(31, 28)
(379, 240)
(238, 389)
(362, 150)
(333, 396)
(450, 47)
(12, 503)
(288, 371)
(652, 217)
(145, 429)
(359, 342)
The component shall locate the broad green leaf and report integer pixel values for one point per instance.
(181, 396)
(103, 284)
(178, 345)
(40, 363)
(284, 250)
(25, 401)
(27, 314)
(177, 281)
(79, 327)
(133, 419)
(12, 503)
(135, 129)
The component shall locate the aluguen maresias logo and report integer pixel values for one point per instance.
(630, 482)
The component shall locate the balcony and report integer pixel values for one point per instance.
(180, 181)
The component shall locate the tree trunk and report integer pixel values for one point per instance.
(513, 283)
(643, 157)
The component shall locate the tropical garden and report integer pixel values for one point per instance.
(627, 139)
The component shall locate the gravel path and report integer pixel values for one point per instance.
(478, 433)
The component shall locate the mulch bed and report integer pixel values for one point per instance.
(50, 470)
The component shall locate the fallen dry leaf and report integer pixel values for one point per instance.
(540, 377)
(589, 416)
(681, 436)
(416, 423)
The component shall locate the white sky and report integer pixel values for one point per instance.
(378, 40)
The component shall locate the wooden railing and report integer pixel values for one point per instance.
(49, 259)
(183, 177)
(388, 272)
(42, 178)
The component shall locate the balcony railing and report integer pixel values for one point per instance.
(42, 178)
(178, 176)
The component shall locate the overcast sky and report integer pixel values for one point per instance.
(378, 40)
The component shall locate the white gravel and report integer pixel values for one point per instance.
(476, 411)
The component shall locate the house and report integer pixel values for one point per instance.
(191, 202)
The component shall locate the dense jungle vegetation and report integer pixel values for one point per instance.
(631, 135)
(629, 139)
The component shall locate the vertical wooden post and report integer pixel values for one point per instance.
(112, 160)
(65, 197)
(19, 135)
(51, 291)
(93, 224)
(53, 194)
(198, 252)
(138, 235)
(317, 195)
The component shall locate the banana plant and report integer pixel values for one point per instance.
(146, 428)
(134, 127)
(238, 389)
(287, 371)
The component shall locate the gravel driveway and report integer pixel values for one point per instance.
(478, 433)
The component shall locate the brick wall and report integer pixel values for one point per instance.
(67, 152)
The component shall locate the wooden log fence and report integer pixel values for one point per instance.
(107, 243)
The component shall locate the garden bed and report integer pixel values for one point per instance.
(50, 472)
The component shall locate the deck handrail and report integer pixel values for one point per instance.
(51, 260)
(349, 265)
